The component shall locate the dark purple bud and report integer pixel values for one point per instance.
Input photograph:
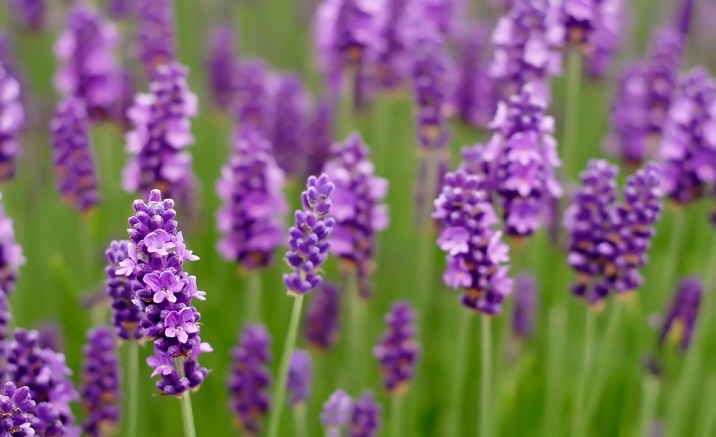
(16, 411)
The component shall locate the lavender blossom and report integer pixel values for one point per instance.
(526, 156)
(398, 350)
(252, 96)
(252, 213)
(156, 39)
(220, 63)
(11, 257)
(523, 317)
(320, 136)
(579, 18)
(393, 58)
(86, 52)
(73, 155)
(12, 121)
(358, 208)
(474, 96)
(100, 382)
(47, 422)
(126, 316)
(164, 292)
(300, 376)
(162, 132)
(365, 419)
(337, 411)
(250, 378)
(290, 103)
(308, 239)
(16, 411)
(31, 14)
(322, 318)
(606, 37)
(682, 314)
(475, 253)
(122, 9)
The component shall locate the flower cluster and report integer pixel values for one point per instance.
(162, 132)
(121, 9)
(358, 208)
(30, 13)
(525, 153)
(251, 217)
(11, 257)
(320, 136)
(308, 239)
(250, 378)
(73, 156)
(156, 40)
(681, 316)
(365, 418)
(291, 101)
(220, 63)
(336, 413)
(16, 407)
(523, 317)
(392, 59)
(300, 375)
(476, 255)
(252, 96)
(12, 120)
(397, 350)
(475, 96)
(322, 318)
(86, 51)
(579, 18)
(164, 292)
(606, 37)
(100, 382)
(126, 316)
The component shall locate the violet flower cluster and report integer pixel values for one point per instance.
(16, 411)
(300, 376)
(580, 19)
(31, 14)
(250, 378)
(309, 238)
(476, 254)
(164, 292)
(220, 62)
(365, 418)
(12, 121)
(86, 53)
(397, 351)
(161, 134)
(11, 257)
(393, 58)
(525, 310)
(606, 37)
(73, 156)
(100, 386)
(336, 413)
(288, 134)
(126, 316)
(156, 34)
(320, 327)
(252, 96)
(475, 96)
(253, 204)
(320, 136)
(682, 314)
(122, 9)
(358, 209)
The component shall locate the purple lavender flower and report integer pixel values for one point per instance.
(31, 14)
(86, 52)
(308, 239)
(397, 350)
(322, 318)
(251, 217)
(320, 136)
(688, 151)
(11, 257)
(444, 14)
(250, 378)
(290, 103)
(475, 253)
(474, 96)
(300, 375)
(16, 411)
(162, 132)
(358, 208)
(50, 336)
(164, 293)
(392, 60)
(220, 63)
(252, 95)
(100, 382)
(47, 422)
(682, 313)
(590, 221)
(336, 414)
(528, 41)
(121, 9)
(525, 153)
(365, 418)
(606, 36)
(579, 18)
(156, 40)
(12, 121)
(523, 317)
(73, 156)
(126, 316)
(5, 318)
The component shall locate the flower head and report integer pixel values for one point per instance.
(290, 104)
(12, 121)
(475, 97)
(365, 418)
(220, 62)
(252, 94)
(397, 351)
(11, 257)
(300, 376)
(606, 36)
(681, 316)
(336, 413)
(100, 382)
(16, 411)
(120, 288)
(156, 42)
(322, 317)
(31, 14)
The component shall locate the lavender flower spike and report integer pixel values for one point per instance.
(16, 411)
(11, 257)
(156, 43)
(523, 318)
(220, 63)
(100, 383)
(365, 419)
(300, 376)
(579, 18)
(308, 239)
(250, 378)
(126, 316)
(165, 293)
(322, 318)
(397, 350)
(121, 9)
(290, 102)
(682, 314)
(606, 37)
(30, 13)
(337, 411)
(73, 156)
(12, 121)
(475, 96)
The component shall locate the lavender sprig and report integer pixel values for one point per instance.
(322, 318)
(220, 63)
(156, 34)
(398, 350)
(300, 376)
(336, 414)
(12, 121)
(126, 316)
(100, 383)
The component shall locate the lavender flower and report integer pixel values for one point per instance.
(73, 156)
(320, 136)
(121, 9)
(337, 411)
(100, 382)
(250, 378)
(156, 44)
(88, 69)
(606, 36)
(474, 95)
(251, 217)
(220, 63)
(126, 316)
(525, 153)
(300, 375)
(290, 103)
(308, 239)
(47, 422)
(579, 18)
(365, 419)
(393, 60)
(523, 317)
(682, 313)
(11, 257)
(16, 407)
(397, 350)
(358, 208)
(164, 292)
(162, 132)
(31, 14)
(322, 317)
(12, 121)
(252, 96)
(5, 318)
(475, 253)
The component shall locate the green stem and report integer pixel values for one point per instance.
(427, 240)
(570, 127)
(299, 419)
(677, 237)
(485, 377)
(649, 402)
(132, 389)
(708, 420)
(555, 376)
(279, 390)
(396, 414)
(357, 323)
(606, 350)
(460, 363)
(581, 418)
(186, 410)
(253, 296)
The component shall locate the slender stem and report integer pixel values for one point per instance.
(253, 296)
(186, 410)
(486, 377)
(299, 419)
(132, 389)
(677, 237)
(570, 128)
(427, 241)
(357, 323)
(605, 352)
(396, 413)
(580, 416)
(649, 402)
(460, 363)
(708, 420)
(279, 390)
(555, 379)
